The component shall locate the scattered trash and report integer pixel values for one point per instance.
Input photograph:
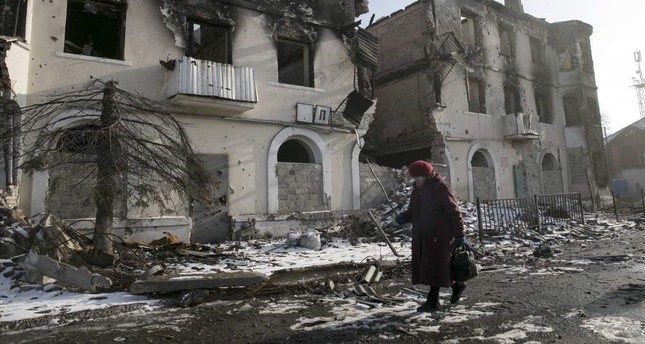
(310, 239)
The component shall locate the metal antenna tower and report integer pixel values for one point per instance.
(639, 83)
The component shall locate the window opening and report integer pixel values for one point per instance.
(587, 60)
(537, 51)
(512, 100)
(294, 63)
(479, 160)
(507, 40)
(571, 112)
(95, 28)
(295, 151)
(14, 18)
(208, 42)
(549, 163)
(641, 156)
(543, 107)
(476, 95)
(79, 140)
(593, 110)
(468, 28)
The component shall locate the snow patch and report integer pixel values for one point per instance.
(617, 329)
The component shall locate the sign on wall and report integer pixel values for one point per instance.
(307, 113)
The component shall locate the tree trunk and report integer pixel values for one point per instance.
(106, 171)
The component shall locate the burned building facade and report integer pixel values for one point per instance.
(266, 88)
(505, 101)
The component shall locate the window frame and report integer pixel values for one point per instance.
(307, 62)
(189, 40)
(476, 32)
(481, 96)
(515, 98)
(120, 54)
(511, 40)
(545, 118)
(537, 57)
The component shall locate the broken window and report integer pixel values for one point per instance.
(587, 60)
(476, 95)
(593, 111)
(479, 160)
(537, 51)
(95, 28)
(507, 40)
(469, 28)
(543, 107)
(295, 151)
(208, 42)
(571, 110)
(512, 99)
(294, 63)
(14, 18)
(549, 163)
(567, 58)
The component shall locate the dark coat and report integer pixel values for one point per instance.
(436, 219)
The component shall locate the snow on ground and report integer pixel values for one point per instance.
(266, 257)
(270, 256)
(617, 329)
(16, 305)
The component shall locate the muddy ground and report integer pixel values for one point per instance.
(514, 301)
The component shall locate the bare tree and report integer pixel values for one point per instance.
(124, 142)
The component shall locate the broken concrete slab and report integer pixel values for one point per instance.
(167, 284)
(65, 274)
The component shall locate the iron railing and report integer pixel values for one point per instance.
(517, 214)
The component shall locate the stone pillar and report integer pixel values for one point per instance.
(514, 5)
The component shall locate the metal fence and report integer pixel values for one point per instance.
(516, 214)
(629, 206)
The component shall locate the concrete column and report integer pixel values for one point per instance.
(514, 5)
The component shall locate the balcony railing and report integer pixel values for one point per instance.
(227, 85)
(517, 126)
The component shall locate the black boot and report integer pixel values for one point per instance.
(457, 289)
(432, 303)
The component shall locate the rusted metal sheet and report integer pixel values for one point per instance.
(366, 49)
(212, 79)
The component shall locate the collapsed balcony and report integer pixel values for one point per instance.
(211, 85)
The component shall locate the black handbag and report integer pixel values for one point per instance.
(463, 266)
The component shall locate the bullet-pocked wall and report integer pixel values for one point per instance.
(244, 137)
(502, 96)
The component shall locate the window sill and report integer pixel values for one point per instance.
(477, 114)
(296, 87)
(92, 58)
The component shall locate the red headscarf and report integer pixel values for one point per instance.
(420, 168)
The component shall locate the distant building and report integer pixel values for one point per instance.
(506, 101)
(626, 155)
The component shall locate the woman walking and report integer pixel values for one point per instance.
(437, 227)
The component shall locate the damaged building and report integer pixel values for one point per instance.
(504, 103)
(275, 96)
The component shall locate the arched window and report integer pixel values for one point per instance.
(295, 151)
(549, 163)
(79, 140)
(479, 160)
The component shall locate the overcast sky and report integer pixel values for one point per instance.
(619, 30)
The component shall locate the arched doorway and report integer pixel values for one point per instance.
(299, 177)
(482, 175)
(551, 176)
(70, 195)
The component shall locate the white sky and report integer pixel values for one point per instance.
(619, 30)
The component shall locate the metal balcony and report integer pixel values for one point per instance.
(517, 127)
(208, 84)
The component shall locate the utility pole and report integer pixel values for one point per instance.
(639, 83)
